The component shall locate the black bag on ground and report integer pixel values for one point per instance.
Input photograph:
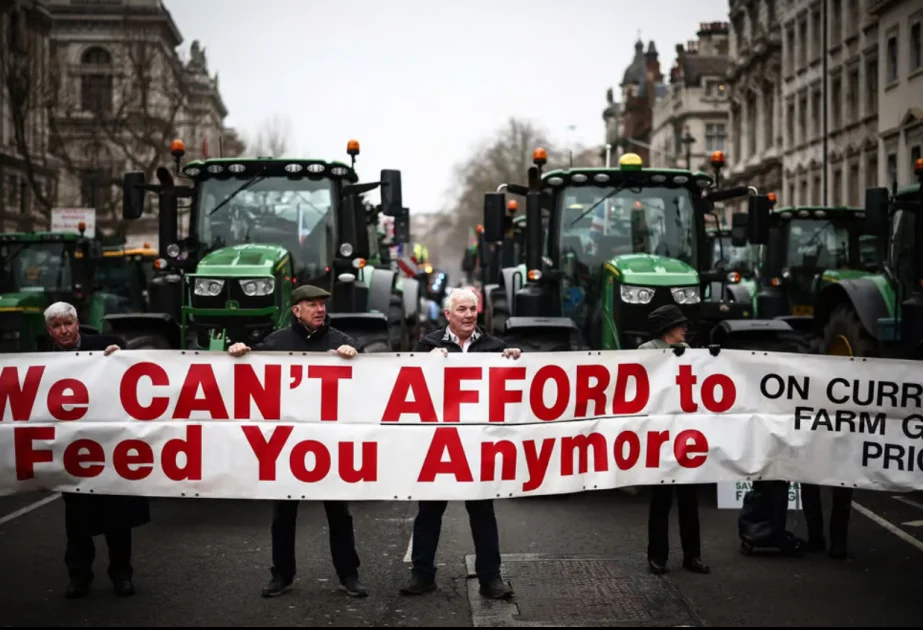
(762, 519)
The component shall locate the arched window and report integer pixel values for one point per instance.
(96, 80)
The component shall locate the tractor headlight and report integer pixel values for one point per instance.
(637, 295)
(258, 287)
(686, 295)
(208, 287)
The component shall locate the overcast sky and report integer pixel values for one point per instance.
(421, 83)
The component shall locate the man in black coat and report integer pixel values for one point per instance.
(461, 334)
(89, 515)
(310, 331)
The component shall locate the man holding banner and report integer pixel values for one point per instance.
(461, 334)
(89, 515)
(668, 327)
(310, 332)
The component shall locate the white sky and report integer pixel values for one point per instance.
(421, 83)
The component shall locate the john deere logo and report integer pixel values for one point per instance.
(660, 270)
(232, 305)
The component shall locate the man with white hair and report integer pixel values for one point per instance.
(89, 515)
(461, 334)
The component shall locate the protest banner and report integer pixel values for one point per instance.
(731, 495)
(412, 426)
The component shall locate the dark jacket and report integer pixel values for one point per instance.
(441, 338)
(297, 338)
(95, 514)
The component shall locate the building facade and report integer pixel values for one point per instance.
(117, 94)
(900, 87)
(629, 123)
(690, 121)
(829, 161)
(754, 86)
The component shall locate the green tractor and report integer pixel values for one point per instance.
(881, 315)
(503, 265)
(40, 268)
(619, 242)
(804, 250)
(734, 256)
(258, 228)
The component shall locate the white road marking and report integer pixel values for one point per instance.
(32, 506)
(894, 529)
(912, 524)
(407, 558)
(909, 502)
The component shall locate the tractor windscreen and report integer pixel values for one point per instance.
(298, 214)
(36, 266)
(601, 222)
(726, 256)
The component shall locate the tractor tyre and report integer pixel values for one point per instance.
(844, 335)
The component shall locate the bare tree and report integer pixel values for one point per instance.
(505, 158)
(272, 137)
(119, 111)
(23, 72)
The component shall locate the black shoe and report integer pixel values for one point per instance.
(696, 566)
(354, 587)
(77, 589)
(277, 586)
(837, 550)
(657, 568)
(123, 587)
(419, 586)
(496, 589)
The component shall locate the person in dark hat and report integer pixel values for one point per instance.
(310, 331)
(668, 326)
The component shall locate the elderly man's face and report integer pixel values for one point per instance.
(311, 313)
(463, 316)
(64, 331)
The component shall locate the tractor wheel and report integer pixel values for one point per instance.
(145, 340)
(845, 336)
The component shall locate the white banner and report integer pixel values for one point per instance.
(409, 427)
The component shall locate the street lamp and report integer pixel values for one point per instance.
(687, 140)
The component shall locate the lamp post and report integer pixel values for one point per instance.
(687, 141)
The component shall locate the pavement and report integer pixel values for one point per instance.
(574, 560)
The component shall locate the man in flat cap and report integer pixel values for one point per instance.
(310, 332)
(668, 327)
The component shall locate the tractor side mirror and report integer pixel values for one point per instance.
(494, 217)
(133, 195)
(758, 208)
(739, 229)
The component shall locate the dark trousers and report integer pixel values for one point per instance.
(839, 512)
(428, 525)
(658, 523)
(342, 540)
(81, 551)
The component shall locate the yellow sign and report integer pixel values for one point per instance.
(801, 309)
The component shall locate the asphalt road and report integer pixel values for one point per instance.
(204, 562)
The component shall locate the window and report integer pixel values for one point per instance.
(715, 135)
(96, 81)
(836, 103)
(791, 192)
(803, 119)
(769, 125)
(892, 168)
(916, 58)
(836, 21)
(852, 94)
(871, 171)
(817, 113)
(790, 124)
(853, 185)
(804, 192)
(816, 34)
(871, 86)
(802, 43)
(816, 190)
(752, 123)
(790, 53)
(852, 25)
(838, 187)
(892, 59)
(914, 154)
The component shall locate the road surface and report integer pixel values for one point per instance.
(573, 560)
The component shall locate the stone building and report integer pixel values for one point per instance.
(900, 86)
(117, 94)
(844, 78)
(629, 122)
(695, 105)
(754, 86)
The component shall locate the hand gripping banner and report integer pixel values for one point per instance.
(411, 427)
